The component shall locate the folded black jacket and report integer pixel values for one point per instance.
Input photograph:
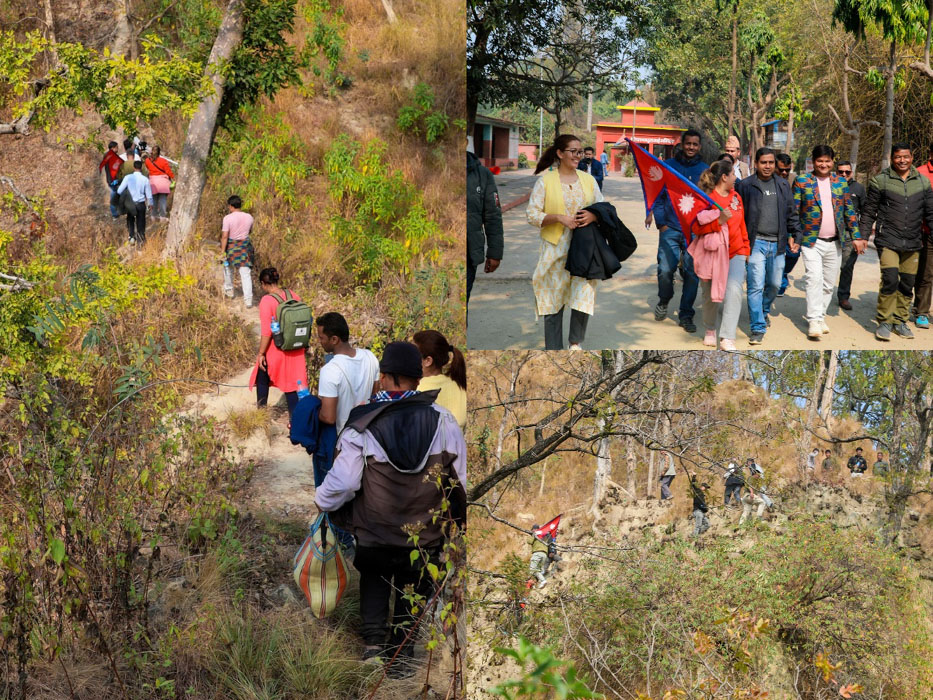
(595, 249)
(617, 234)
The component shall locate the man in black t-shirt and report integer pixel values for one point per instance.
(857, 464)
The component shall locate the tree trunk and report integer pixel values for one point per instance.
(589, 111)
(735, 67)
(790, 129)
(813, 406)
(390, 13)
(631, 464)
(603, 468)
(200, 135)
(122, 29)
(603, 453)
(826, 399)
(889, 108)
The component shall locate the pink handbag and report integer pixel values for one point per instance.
(160, 184)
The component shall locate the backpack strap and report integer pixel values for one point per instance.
(278, 298)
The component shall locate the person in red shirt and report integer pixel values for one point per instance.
(719, 183)
(923, 286)
(112, 162)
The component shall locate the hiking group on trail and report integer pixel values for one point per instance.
(139, 181)
(740, 249)
(388, 456)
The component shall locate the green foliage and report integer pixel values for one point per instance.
(264, 62)
(379, 218)
(430, 299)
(522, 160)
(264, 158)
(123, 91)
(16, 63)
(323, 50)
(189, 26)
(39, 327)
(835, 592)
(419, 116)
(545, 679)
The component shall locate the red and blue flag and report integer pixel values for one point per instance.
(687, 200)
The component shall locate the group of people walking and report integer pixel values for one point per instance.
(765, 220)
(388, 451)
(139, 180)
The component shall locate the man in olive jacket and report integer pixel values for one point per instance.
(484, 221)
(899, 199)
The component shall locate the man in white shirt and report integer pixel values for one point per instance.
(352, 375)
(141, 192)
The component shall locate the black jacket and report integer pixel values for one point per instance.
(596, 167)
(857, 193)
(617, 234)
(897, 209)
(788, 224)
(484, 214)
(594, 249)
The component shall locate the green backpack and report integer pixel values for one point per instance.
(294, 318)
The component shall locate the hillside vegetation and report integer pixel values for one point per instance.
(821, 598)
(139, 556)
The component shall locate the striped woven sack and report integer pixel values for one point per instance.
(320, 569)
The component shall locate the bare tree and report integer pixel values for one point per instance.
(200, 135)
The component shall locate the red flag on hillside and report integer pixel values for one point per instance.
(549, 528)
(687, 199)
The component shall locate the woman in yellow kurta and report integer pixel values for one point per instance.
(436, 352)
(555, 206)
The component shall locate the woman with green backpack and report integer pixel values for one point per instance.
(282, 367)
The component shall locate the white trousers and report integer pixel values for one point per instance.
(822, 263)
(245, 279)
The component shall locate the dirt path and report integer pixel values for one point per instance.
(502, 310)
(283, 481)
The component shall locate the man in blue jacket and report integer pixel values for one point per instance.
(772, 224)
(672, 246)
(589, 164)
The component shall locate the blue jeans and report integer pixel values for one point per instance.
(671, 249)
(114, 198)
(765, 270)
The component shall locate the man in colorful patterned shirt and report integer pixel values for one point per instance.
(826, 218)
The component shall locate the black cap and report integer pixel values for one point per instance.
(403, 359)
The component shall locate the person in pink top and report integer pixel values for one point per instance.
(283, 369)
(720, 250)
(238, 249)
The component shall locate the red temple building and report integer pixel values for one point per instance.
(637, 118)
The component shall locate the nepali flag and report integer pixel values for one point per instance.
(687, 199)
(549, 528)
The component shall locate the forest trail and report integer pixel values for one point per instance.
(282, 484)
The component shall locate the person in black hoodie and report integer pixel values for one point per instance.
(399, 458)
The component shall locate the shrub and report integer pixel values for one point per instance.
(795, 599)
(323, 51)
(523, 161)
(419, 116)
(378, 217)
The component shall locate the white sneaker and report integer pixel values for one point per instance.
(542, 584)
(575, 346)
(825, 327)
(815, 330)
(229, 295)
(727, 344)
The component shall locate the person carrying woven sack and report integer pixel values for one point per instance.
(399, 458)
